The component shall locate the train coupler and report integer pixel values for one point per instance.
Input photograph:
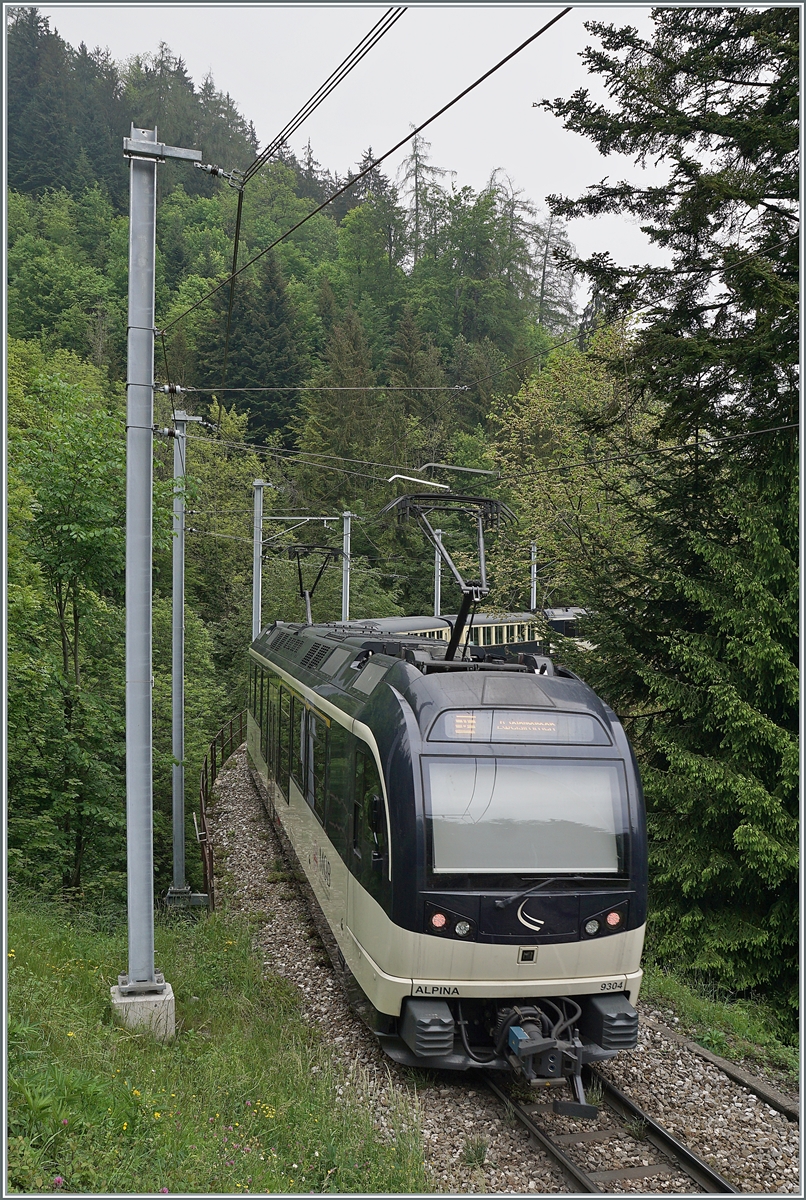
(579, 1107)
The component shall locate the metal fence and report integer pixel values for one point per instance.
(225, 743)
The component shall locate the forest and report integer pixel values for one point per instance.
(647, 444)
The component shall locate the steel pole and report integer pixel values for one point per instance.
(139, 467)
(345, 568)
(438, 577)
(178, 656)
(533, 593)
(257, 559)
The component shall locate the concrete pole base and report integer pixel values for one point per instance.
(147, 1011)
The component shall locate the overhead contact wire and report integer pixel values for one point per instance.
(381, 27)
(375, 163)
(324, 91)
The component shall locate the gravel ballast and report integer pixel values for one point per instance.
(469, 1142)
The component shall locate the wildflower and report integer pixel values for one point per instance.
(163, 1190)
(71, 1034)
(11, 954)
(58, 1181)
(249, 1104)
(157, 1116)
(125, 1124)
(135, 1092)
(64, 1120)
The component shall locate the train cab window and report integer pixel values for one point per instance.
(284, 743)
(315, 792)
(370, 843)
(339, 788)
(499, 815)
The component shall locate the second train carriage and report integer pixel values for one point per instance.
(474, 835)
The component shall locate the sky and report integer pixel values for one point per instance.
(271, 58)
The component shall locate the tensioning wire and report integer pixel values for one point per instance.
(258, 448)
(313, 387)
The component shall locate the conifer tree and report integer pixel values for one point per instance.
(694, 615)
(263, 350)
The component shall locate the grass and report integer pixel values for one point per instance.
(245, 1099)
(733, 1028)
(474, 1153)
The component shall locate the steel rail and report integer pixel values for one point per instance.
(677, 1154)
(574, 1175)
(688, 1162)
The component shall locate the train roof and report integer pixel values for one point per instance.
(346, 662)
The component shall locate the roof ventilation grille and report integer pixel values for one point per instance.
(315, 655)
(286, 643)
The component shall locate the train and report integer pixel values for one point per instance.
(500, 632)
(471, 830)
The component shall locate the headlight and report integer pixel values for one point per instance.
(592, 927)
(462, 928)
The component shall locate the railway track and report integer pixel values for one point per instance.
(626, 1123)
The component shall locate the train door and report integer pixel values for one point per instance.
(369, 858)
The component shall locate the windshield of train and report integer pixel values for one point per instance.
(511, 815)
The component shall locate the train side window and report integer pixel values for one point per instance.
(274, 722)
(259, 714)
(339, 786)
(370, 845)
(266, 714)
(252, 679)
(317, 764)
(298, 742)
(284, 743)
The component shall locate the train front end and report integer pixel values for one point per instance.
(520, 875)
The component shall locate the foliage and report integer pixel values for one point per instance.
(696, 599)
(65, 718)
(246, 1097)
(66, 747)
(69, 111)
(400, 321)
(749, 1028)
